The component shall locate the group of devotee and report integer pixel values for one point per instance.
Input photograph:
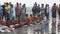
(22, 18)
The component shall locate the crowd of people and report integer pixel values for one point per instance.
(21, 18)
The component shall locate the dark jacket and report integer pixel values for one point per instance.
(46, 10)
(38, 9)
(34, 9)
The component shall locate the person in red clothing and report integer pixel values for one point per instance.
(17, 10)
(54, 9)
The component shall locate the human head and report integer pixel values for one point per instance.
(30, 14)
(7, 4)
(42, 5)
(47, 5)
(54, 4)
(20, 3)
(17, 4)
(24, 4)
(35, 4)
(26, 15)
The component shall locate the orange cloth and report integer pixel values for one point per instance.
(30, 18)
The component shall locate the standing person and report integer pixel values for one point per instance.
(23, 10)
(17, 10)
(34, 9)
(54, 9)
(42, 9)
(38, 9)
(7, 9)
(1, 12)
(59, 11)
(46, 18)
(47, 11)
(11, 10)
